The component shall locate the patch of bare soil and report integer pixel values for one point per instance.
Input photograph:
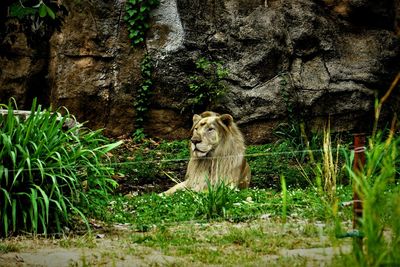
(107, 252)
(120, 247)
(59, 257)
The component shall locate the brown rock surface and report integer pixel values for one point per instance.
(305, 59)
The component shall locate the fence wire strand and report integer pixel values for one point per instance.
(159, 161)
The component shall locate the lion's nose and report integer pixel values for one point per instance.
(195, 140)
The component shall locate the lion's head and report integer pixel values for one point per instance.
(208, 132)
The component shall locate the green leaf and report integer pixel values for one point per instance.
(1, 173)
(14, 214)
(42, 10)
(50, 12)
(143, 9)
(133, 34)
(46, 202)
(131, 12)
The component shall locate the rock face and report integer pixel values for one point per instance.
(312, 59)
(93, 69)
(298, 60)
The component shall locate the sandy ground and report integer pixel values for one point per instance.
(116, 248)
(108, 253)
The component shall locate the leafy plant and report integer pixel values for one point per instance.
(206, 87)
(44, 170)
(144, 91)
(37, 18)
(216, 200)
(138, 135)
(137, 16)
(145, 163)
(20, 9)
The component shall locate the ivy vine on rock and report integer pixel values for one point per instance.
(206, 87)
(144, 91)
(37, 18)
(137, 16)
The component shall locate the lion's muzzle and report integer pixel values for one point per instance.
(200, 149)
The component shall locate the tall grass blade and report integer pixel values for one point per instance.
(284, 198)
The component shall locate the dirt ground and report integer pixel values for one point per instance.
(115, 248)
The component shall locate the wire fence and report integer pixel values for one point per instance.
(110, 163)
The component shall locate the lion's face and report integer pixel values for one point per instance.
(207, 133)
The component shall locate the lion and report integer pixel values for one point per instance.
(217, 151)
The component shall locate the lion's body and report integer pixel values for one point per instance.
(216, 154)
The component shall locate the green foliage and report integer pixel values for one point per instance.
(216, 200)
(380, 192)
(317, 155)
(38, 19)
(144, 91)
(19, 9)
(44, 170)
(174, 150)
(138, 136)
(153, 162)
(137, 16)
(206, 87)
(145, 167)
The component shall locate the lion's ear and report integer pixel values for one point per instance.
(226, 119)
(196, 118)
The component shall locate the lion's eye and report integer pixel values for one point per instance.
(211, 129)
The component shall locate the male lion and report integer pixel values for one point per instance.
(216, 153)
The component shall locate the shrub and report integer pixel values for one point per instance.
(44, 170)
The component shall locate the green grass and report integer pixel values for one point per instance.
(146, 211)
(6, 248)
